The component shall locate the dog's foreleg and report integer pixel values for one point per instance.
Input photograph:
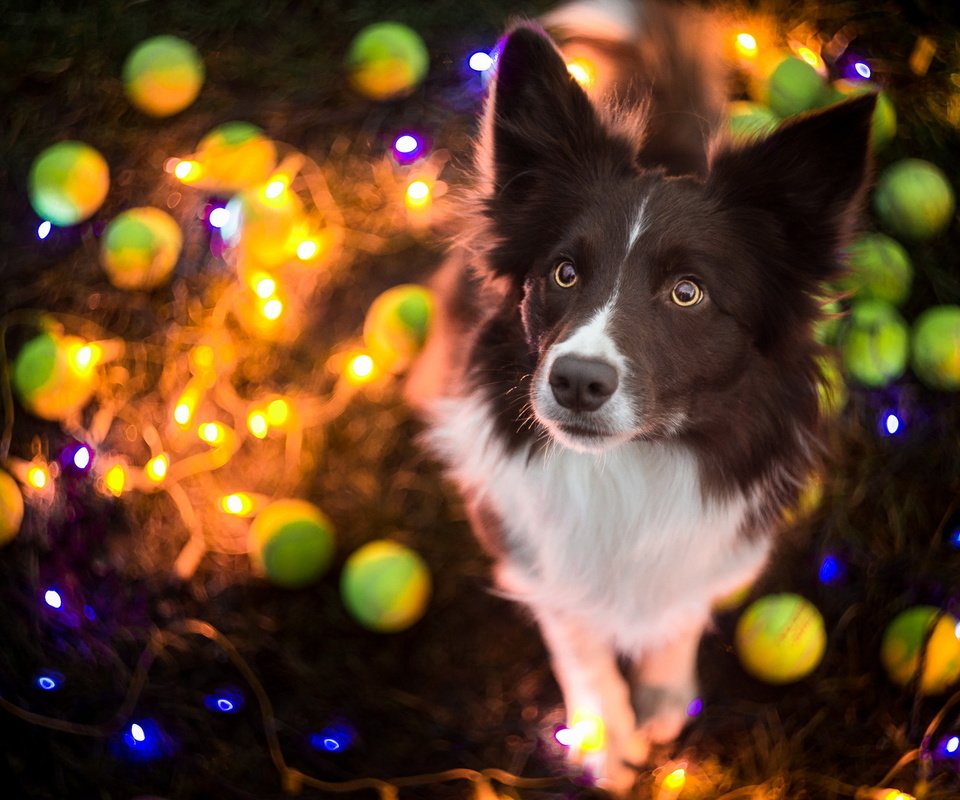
(597, 699)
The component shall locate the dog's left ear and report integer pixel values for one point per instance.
(803, 183)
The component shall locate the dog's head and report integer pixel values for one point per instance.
(654, 306)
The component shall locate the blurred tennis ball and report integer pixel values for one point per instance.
(387, 60)
(875, 343)
(163, 75)
(140, 247)
(68, 182)
(291, 542)
(234, 156)
(747, 119)
(55, 375)
(793, 87)
(903, 642)
(914, 199)
(780, 638)
(385, 586)
(936, 347)
(396, 325)
(11, 508)
(880, 269)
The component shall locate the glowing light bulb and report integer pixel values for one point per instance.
(587, 732)
(583, 72)
(157, 467)
(406, 144)
(746, 45)
(895, 794)
(812, 58)
(264, 286)
(257, 423)
(863, 69)
(52, 598)
(360, 369)
(84, 358)
(47, 682)
(278, 412)
(275, 188)
(480, 61)
(115, 479)
(565, 736)
(212, 432)
(43, 230)
(307, 249)
(224, 701)
(201, 357)
(38, 476)
(418, 194)
(82, 457)
(675, 780)
(136, 731)
(272, 308)
(332, 739)
(187, 171)
(952, 745)
(891, 424)
(218, 217)
(238, 504)
(695, 707)
(831, 569)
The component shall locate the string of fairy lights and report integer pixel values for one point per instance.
(147, 418)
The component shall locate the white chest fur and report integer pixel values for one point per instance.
(621, 540)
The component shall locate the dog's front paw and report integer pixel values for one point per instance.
(607, 755)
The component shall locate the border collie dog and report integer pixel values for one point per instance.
(622, 379)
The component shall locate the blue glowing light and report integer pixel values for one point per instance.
(82, 457)
(143, 740)
(863, 69)
(954, 537)
(694, 707)
(224, 701)
(52, 598)
(831, 569)
(952, 745)
(406, 144)
(892, 424)
(48, 681)
(43, 231)
(332, 739)
(480, 61)
(89, 613)
(137, 733)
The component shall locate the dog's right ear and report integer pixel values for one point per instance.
(542, 146)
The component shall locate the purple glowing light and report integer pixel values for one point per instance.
(863, 69)
(52, 598)
(480, 61)
(694, 707)
(565, 736)
(408, 147)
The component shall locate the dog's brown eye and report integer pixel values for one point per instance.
(686, 293)
(565, 274)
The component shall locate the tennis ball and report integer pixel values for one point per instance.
(793, 87)
(140, 248)
(68, 183)
(163, 75)
(264, 227)
(11, 508)
(749, 120)
(914, 199)
(234, 156)
(387, 60)
(291, 542)
(385, 586)
(396, 325)
(936, 347)
(875, 343)
(880, 269)
(883, 124)
(54, 375)
(780, 638)
(903, 640)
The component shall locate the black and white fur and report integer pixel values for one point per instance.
(626, 459)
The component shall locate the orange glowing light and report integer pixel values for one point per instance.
(746, 45)
(275, 188)
(237, 504)
(157, 467)
(361, 368)
(418, 194)
(257, 423)
(38, 476)
(115, 479)
(307, 249)
(86, 357)
(272, 308)
(583, 72)
(278, 412)
(675, 780)
(895, 794)
(212, 432)
(187, 171)
(201, 358)
(264, 286)
(810, 57)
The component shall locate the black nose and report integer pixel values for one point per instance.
(582, 384)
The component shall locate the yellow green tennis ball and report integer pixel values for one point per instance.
(936, 347)
(385, 586)
(780, 638)
(749, 120)
(914, 199)
(396, 325)
(880, 269)
(140, 248)
(235, 155)
(793, 87)
(875, 344)
(54, 375)
(291, 542)
(163, 75)
(903, 641)
(883, 124)
(386, 60)
(11, 508)
(68, 182)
